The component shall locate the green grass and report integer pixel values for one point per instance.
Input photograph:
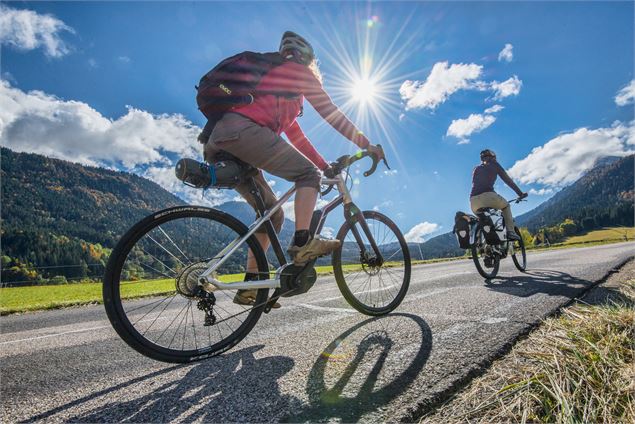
(609, 235)
(33, 298)
(605, 234)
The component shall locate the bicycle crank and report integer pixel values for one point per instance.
(296, 279)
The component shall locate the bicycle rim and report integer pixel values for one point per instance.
(480, 254)
(151, 291)
(370, 288)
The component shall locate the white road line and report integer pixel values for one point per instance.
(56, 334)
(63, 333)
(327, 309)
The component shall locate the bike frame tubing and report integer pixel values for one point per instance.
(351, 212)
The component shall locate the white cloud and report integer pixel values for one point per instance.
(626, 95)
(509, 87)
(565, 158)
(138, 141)
(289, 208)
(442, 82)
(445, 80)
(28, 30)
(464, 128)
(390, 172)
(328, 232)
(8, 76)
(541, 192)
(383, 205)
(93, 63)
(494, 109)
(41, 123)
(417, 233)
(124, 59)
(506, 54)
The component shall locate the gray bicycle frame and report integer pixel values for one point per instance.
(207, 280)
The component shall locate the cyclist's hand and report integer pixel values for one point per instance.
(329, 172)
(377, 151)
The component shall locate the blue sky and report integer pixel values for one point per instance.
(116, 88)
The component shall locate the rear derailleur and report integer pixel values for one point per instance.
(206, 304)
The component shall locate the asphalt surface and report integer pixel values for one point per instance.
(315, 359)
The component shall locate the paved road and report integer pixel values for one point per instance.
(313, 360)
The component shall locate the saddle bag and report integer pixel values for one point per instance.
(220, 174)
(462, 229)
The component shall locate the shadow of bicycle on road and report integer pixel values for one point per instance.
(552, 283)
(365, 368)
(233, 387)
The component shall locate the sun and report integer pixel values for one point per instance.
(364, 90)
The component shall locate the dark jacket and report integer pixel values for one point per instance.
(484, 177)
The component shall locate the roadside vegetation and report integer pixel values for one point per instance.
(577, 367)
(34, 298)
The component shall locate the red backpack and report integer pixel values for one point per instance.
(232, 83)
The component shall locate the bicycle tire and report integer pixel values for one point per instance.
(340, 276)
(475, 255)
(521, 267)
(112, 283)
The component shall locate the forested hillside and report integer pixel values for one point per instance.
(601, 198)
(60, 220)
(64, 218)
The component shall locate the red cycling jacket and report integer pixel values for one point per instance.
(279, 113)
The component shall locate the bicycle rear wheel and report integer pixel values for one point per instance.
(151, 292)
(370, 287)
(520, 256)
(487, 263)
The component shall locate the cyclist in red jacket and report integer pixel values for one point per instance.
(252, 133)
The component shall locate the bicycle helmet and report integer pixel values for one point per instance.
(487, 153)
(293, 46)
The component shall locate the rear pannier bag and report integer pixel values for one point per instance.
(491, 230)
(232, 83)
(462, 229)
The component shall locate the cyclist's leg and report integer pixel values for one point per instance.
(491, 199)
(277, 219)
(266, 150)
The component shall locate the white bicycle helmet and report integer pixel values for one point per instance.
(293, 46)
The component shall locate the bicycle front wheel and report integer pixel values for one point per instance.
(372, 287)
(151, 292)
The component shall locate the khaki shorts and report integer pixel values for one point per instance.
(263, 149)
(491, 199)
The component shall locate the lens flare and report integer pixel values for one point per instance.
(364, 90)
(364, 67)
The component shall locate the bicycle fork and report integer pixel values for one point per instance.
(353, 215)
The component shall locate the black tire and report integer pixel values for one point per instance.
(397, 277)
(520, 256)
(202, 222)
(478, 255)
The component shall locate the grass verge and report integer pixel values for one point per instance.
(34, 298)
(577, 367)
